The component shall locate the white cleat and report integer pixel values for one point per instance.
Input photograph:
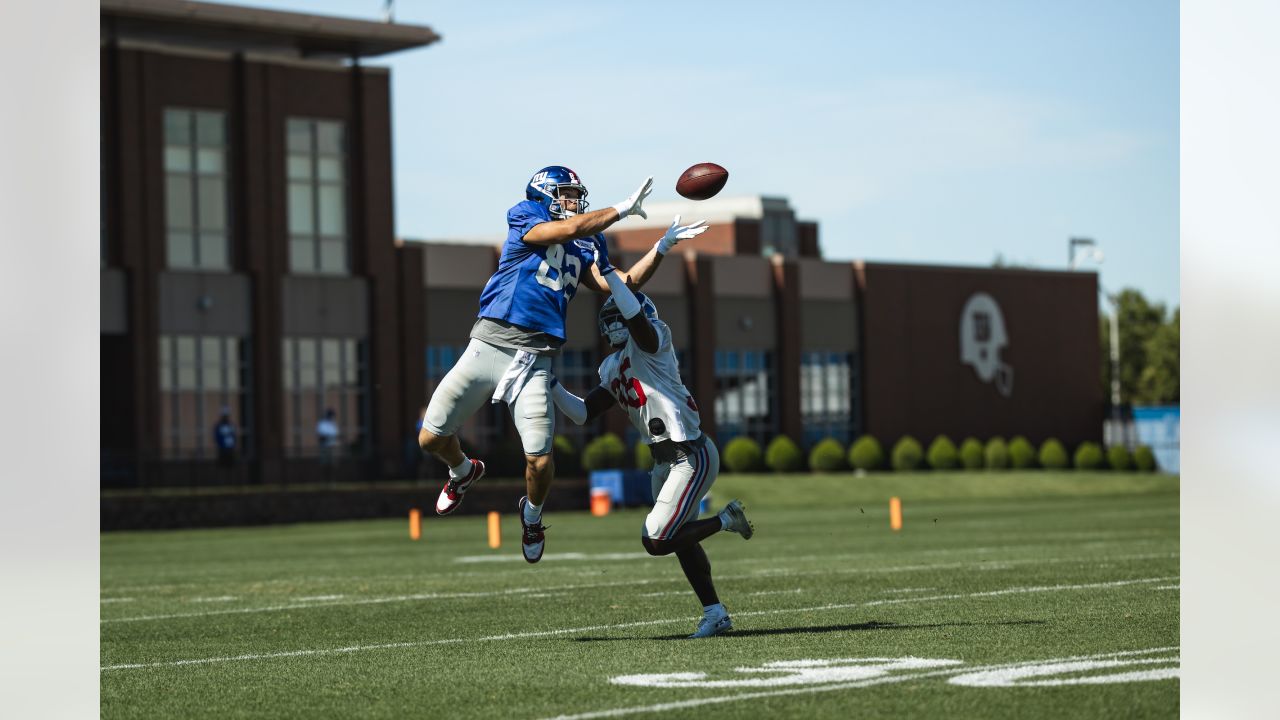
(712, 626)
(738, 522)
(533, 539)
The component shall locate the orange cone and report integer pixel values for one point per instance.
(495, 531)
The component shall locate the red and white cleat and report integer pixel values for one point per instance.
(451, 496)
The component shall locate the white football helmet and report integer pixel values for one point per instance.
(614, 327)
(982, 337)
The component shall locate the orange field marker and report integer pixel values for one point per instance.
(495, 531)
(895, 514)
(415, 524)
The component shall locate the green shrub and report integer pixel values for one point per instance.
(742, 454)
(996, 454)
(1088, 456)
(1052, 455)
(1022, 454)
(606, 452)
(1144, 460)
(971, 454)
(644, 456)
(783, 455)
(907, 454)
(565, 456)
(866, 454)
(943, 454)
(827, 456)
(1118, 458)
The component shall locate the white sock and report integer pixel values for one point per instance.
(462, 469)
(724, 520)
(716, 610)
(532, 513)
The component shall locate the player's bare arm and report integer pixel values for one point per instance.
(584, 225)
(557, 232)
(644, 268)
(636, 320)
(642, 332)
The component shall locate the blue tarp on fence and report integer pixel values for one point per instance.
(1158, 426)
(632, 488)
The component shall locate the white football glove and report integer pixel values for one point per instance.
(631, 206)
(678, 232)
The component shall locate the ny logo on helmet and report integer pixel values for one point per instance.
(982, 337)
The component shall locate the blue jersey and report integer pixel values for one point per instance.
(534, 283)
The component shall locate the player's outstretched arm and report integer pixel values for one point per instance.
(642, 331)
(578, 410)
(644, 268)
(555, 232)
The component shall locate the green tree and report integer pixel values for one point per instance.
(1158, 382)
(1140, 322)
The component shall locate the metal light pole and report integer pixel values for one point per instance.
(1115, 352)
(1077, 242)
(1096, 255)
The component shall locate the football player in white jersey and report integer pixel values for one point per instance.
(643, 377)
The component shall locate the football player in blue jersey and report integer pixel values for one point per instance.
(551, 247)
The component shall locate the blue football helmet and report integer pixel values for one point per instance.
(614, 326)
(545, 186)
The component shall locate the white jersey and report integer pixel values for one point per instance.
(648, 387)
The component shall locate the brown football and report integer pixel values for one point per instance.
(702, 181)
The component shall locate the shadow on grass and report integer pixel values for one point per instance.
(854, 627)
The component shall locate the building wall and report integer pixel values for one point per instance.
(915, 383)
(256, 298)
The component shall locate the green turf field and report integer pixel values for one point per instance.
(1005, 596)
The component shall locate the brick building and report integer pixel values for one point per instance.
(250, 266)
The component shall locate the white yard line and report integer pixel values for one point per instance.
(220, 598)
(958, 670)
(107, 601)
(620, 626)
(417, 597)
(553, 556)
(319, 602)
(575, 571)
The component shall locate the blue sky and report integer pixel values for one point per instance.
(940, 132)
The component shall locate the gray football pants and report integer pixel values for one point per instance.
(470, 384)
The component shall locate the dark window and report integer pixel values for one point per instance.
(201, 377)
(195, 154)
(322, 374)
(317, 196)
